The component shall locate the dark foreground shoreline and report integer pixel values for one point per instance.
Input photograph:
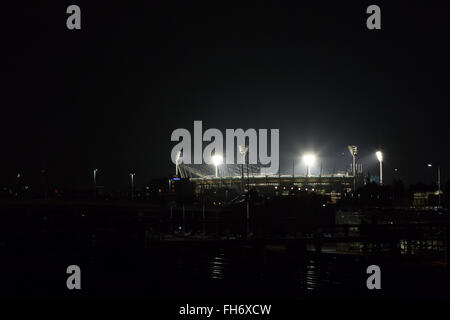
(123, 255)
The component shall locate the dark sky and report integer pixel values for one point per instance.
(109, 96)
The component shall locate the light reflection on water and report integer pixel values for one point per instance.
(260, 272)
(252, 268)
(312, 277)
(217, 266)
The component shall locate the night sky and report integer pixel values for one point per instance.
(110, 95)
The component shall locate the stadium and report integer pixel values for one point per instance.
(243, 177)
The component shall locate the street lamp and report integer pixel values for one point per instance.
(379, 155)
(309, 160)
(217, 160)
(439, 182)
(95, 183)
(132, 185)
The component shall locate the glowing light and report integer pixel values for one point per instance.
(217, 159)
(309, 159)
(379, 155)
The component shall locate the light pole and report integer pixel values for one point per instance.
(176, 163)
(354, 152)
(132, 185)
(379, 155)
(217, 160)
(309, 159)
(95, 183)
(438, 182)
(243, 151)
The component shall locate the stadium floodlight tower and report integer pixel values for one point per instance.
(309, 159)
(243, 151)
(379, 155)
(217, 160)
(354, 152)
(177, 159)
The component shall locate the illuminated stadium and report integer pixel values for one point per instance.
(236, 176)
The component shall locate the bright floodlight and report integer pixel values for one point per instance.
(309, 159)
(217, 159)
(379, 155)
(430, 165)
(380, 159)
